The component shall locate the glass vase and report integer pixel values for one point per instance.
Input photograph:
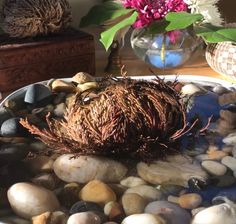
(161, 50)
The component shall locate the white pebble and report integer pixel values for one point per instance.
(132, 181)
(84, 218)
(143, 219)
(86, 168)
(214, 168)
(230, 162)
(28, 200)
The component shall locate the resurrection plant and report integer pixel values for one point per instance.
(127, 118)
(29, 18)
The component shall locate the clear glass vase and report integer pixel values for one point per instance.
(160, 50)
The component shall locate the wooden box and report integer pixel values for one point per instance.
(27, 61)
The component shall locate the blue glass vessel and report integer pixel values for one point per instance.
(149, 48)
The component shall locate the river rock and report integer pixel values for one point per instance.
(28, 200)
(132, 181)
(176, 170)
(219, 89)
(12, 128)
(191, 89)
(187, 201)
(13, 220)
(5, 114)
(230, 139)
(69, 194)
(47, 180)
(133, 203)
(84, 218)
(86, 168)
(217, 214)
(38, 94)
(63, 86)
(60, 110)
(57, 217)
(169, 211)
(148, 193)
(114, 211)
(82, 77)
(85, 206)
(214, 168)
(143, 219)
(13, 152)
(230, 162)
(40, 164)
(98, 192)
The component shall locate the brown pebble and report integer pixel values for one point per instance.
(226, 124)
(216, 154)
(228, 115)
(62, 86)
(227, 98)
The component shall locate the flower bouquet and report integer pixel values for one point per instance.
(165, 17)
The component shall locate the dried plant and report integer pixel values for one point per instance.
(130, 118)
(29, 18)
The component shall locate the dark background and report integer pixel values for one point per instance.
(228, 10)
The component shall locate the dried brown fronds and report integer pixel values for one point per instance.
(131, 118)
(29, 18)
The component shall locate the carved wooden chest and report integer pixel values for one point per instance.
(31, 60)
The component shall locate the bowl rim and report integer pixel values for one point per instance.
(205, 80)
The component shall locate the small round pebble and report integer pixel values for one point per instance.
(143, 219)
(214, 168)
(114, 211)
(40, 164)
(133, 203)
(190, 201)
(230, 162)
(98, 192)
(57, 217)
(69, 194)
(169, 211)
(28, 200)
(132, 181)
(147, 192)
(12, 127)
(84, 218)
(37, 93)
(85, 206)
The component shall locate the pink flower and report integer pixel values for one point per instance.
(150, 10)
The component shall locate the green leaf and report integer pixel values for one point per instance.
(107, 36)
(158, 26)
(103, 12)
(213, 34)
(181, 20)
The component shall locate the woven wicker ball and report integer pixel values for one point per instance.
(222, 58)
(30, 18)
